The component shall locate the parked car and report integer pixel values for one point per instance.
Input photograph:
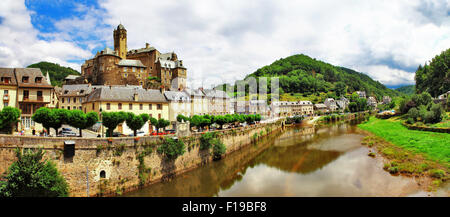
(138, 133)
(68, 134)
(117, 134)
(170, 131)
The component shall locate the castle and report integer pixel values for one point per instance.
(133, 67)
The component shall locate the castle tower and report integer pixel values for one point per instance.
(120, 41)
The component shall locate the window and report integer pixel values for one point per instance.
(62, 107)
(6, 80)
(80, 99)
(38, 80)
(142, 70)
(68, 99)
(39, 95)
(5, 92)
(159, 116)
(80, 108)
(149, 106)
(62, 99)
(120, 106)
(141, 106)
(25, 94)
(74, 100)
(74, 108)
(130, 106)
(68, 107)
(25, 79)
(159, 106)
(134, 69)
(125, 69)
(125, 75)
(108, 106)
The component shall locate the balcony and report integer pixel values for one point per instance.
(40, 98)
(6, 97)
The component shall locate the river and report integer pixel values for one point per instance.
(300, 161)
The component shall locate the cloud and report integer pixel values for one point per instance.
(20, 45)
(225, 40)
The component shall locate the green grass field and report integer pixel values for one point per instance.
(435, 146)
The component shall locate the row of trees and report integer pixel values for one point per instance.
(134, 122)
(202, 121)
(55, 118)
(434, 78)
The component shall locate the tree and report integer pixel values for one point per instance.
(161, 123)
(58, 118)
(218, 148)
(413, 113)
(30, 176)
(136, 122)
(111, 120)
(435, 77)
(43, 116)
(80, 120)
(8, 117)
(220, 120)
(181, 118)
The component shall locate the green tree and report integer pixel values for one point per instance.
(136, 122)
(435, 77)
(161, 123)
(8, 117)
(80, 120)
(111, 120)
(30, 176)
(43, 116)
(413, 113)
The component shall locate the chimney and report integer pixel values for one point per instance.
(135, 96)
(147, 45)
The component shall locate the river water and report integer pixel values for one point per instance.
(300, 161)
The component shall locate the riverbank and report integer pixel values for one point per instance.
(419, 154)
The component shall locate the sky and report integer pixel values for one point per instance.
(224, 40)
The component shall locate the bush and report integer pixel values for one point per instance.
(437, 173)
(172, 148)
(413, 114)
(410, 120)
(206, 140)
(218, 148)
(29, 176)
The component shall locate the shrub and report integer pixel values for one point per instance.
(413, 114)
(437, 173)
(172, 148)
(393, 170)
(218, 148)
(30, 176)
(206, 140)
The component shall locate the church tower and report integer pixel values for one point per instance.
(120, 41)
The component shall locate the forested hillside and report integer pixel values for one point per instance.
(408, 90)
(303, 77)
(57, 73)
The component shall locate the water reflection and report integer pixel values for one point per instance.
(303, 161)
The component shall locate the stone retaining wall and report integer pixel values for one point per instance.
(112, 166)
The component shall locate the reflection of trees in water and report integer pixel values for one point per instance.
(297, 159)
(209, 179)
(286, 152)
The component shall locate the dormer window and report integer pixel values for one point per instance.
(6, 80)
(38, 80)
(66, 92)
(25, 79)
(81, 91)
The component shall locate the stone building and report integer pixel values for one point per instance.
(331, 104)
(122, 66)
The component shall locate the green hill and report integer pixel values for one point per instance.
(408, 90)
(57, 73)
(302, 77)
